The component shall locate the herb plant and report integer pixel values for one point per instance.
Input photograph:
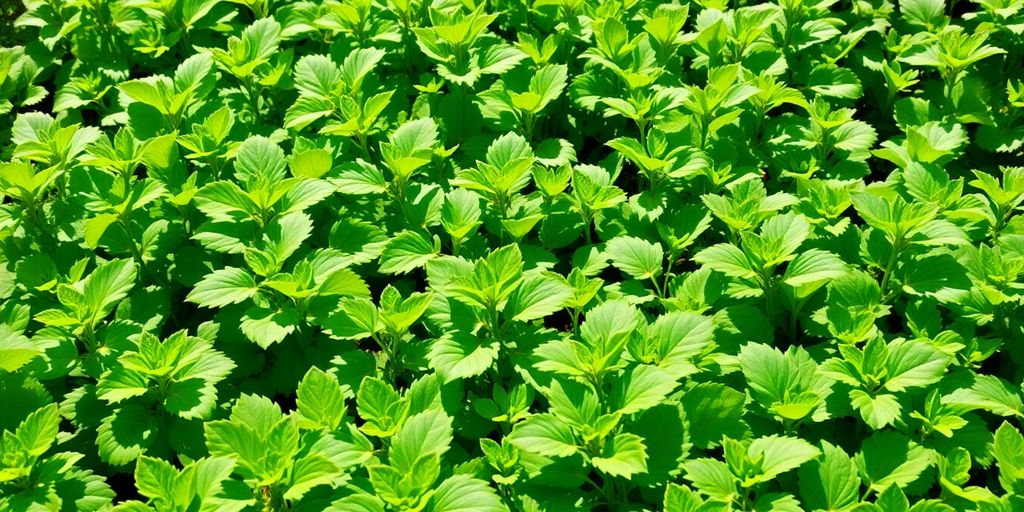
(400, 255)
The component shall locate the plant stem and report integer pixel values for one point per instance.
(890, 265)
(657, 287)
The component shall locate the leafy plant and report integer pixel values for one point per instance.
(268, 255)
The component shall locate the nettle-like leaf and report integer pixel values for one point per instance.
(830, 482)
(193, 80)
(882, 369)
(85, 303)
(183, 372)
(176, 376)
(32, 479)
(675, 342)
(463, 48)
(516, 100)
(890, 459)
(372, 256)
(204, 483)
(601, 345)
(748, 464)
(273, 455)
(15, 349)
(789, 385)
(39, 138)
(636, 257)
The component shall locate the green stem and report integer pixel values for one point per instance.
(588, 219)
(793, 317)
(657, 287)
(133, 246)
(528, 122)
(363, 144)
(890, 266)
(673, 255)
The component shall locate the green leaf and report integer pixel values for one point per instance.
(835, 82)
(637, 257)
(547, 83)
(285, 235)
(990, 393)
(561, 356)
(673, 341)
(608, 327)
(380, 406)
(889, 458)
(426, 433)
(928, 14)
(1009, 452)
(544, 434)
(225, 201)
(405, 252)
(878, 410)
(38, 431)
(195, 75)
(913, 364)
(344, 282)
(223, 287)
(830, 482)
(461, 355)
(155, 479)
(780, 454)
(893, 499)
(460, 214)
(727, 259)
(624, 455)
(266, 326)
(96, 226)
(154, 91)
(359, 503)
(107, 286)
(398, 313)
(720, 409)
(788, 384)
(538, 296)
(410, 147)
(854, 303)
(358, 64)
(463, 493)
(260, 160)
(320, 400)
(642, 387)
(779, 238)
(119, 383)
(314, 163)
(308, 472)
(712, 477)
(811, 270)
(317, 75)
(15, 349)
(126, 434)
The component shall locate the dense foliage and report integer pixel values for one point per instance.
(370, 255)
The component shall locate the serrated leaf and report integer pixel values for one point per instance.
(624, 455)
(544, 434)
(406, 251)
(537, 297)
(223, 287)
(637, 257)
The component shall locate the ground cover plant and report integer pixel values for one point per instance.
(391, 255)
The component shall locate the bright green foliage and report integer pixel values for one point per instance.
(442, 256)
